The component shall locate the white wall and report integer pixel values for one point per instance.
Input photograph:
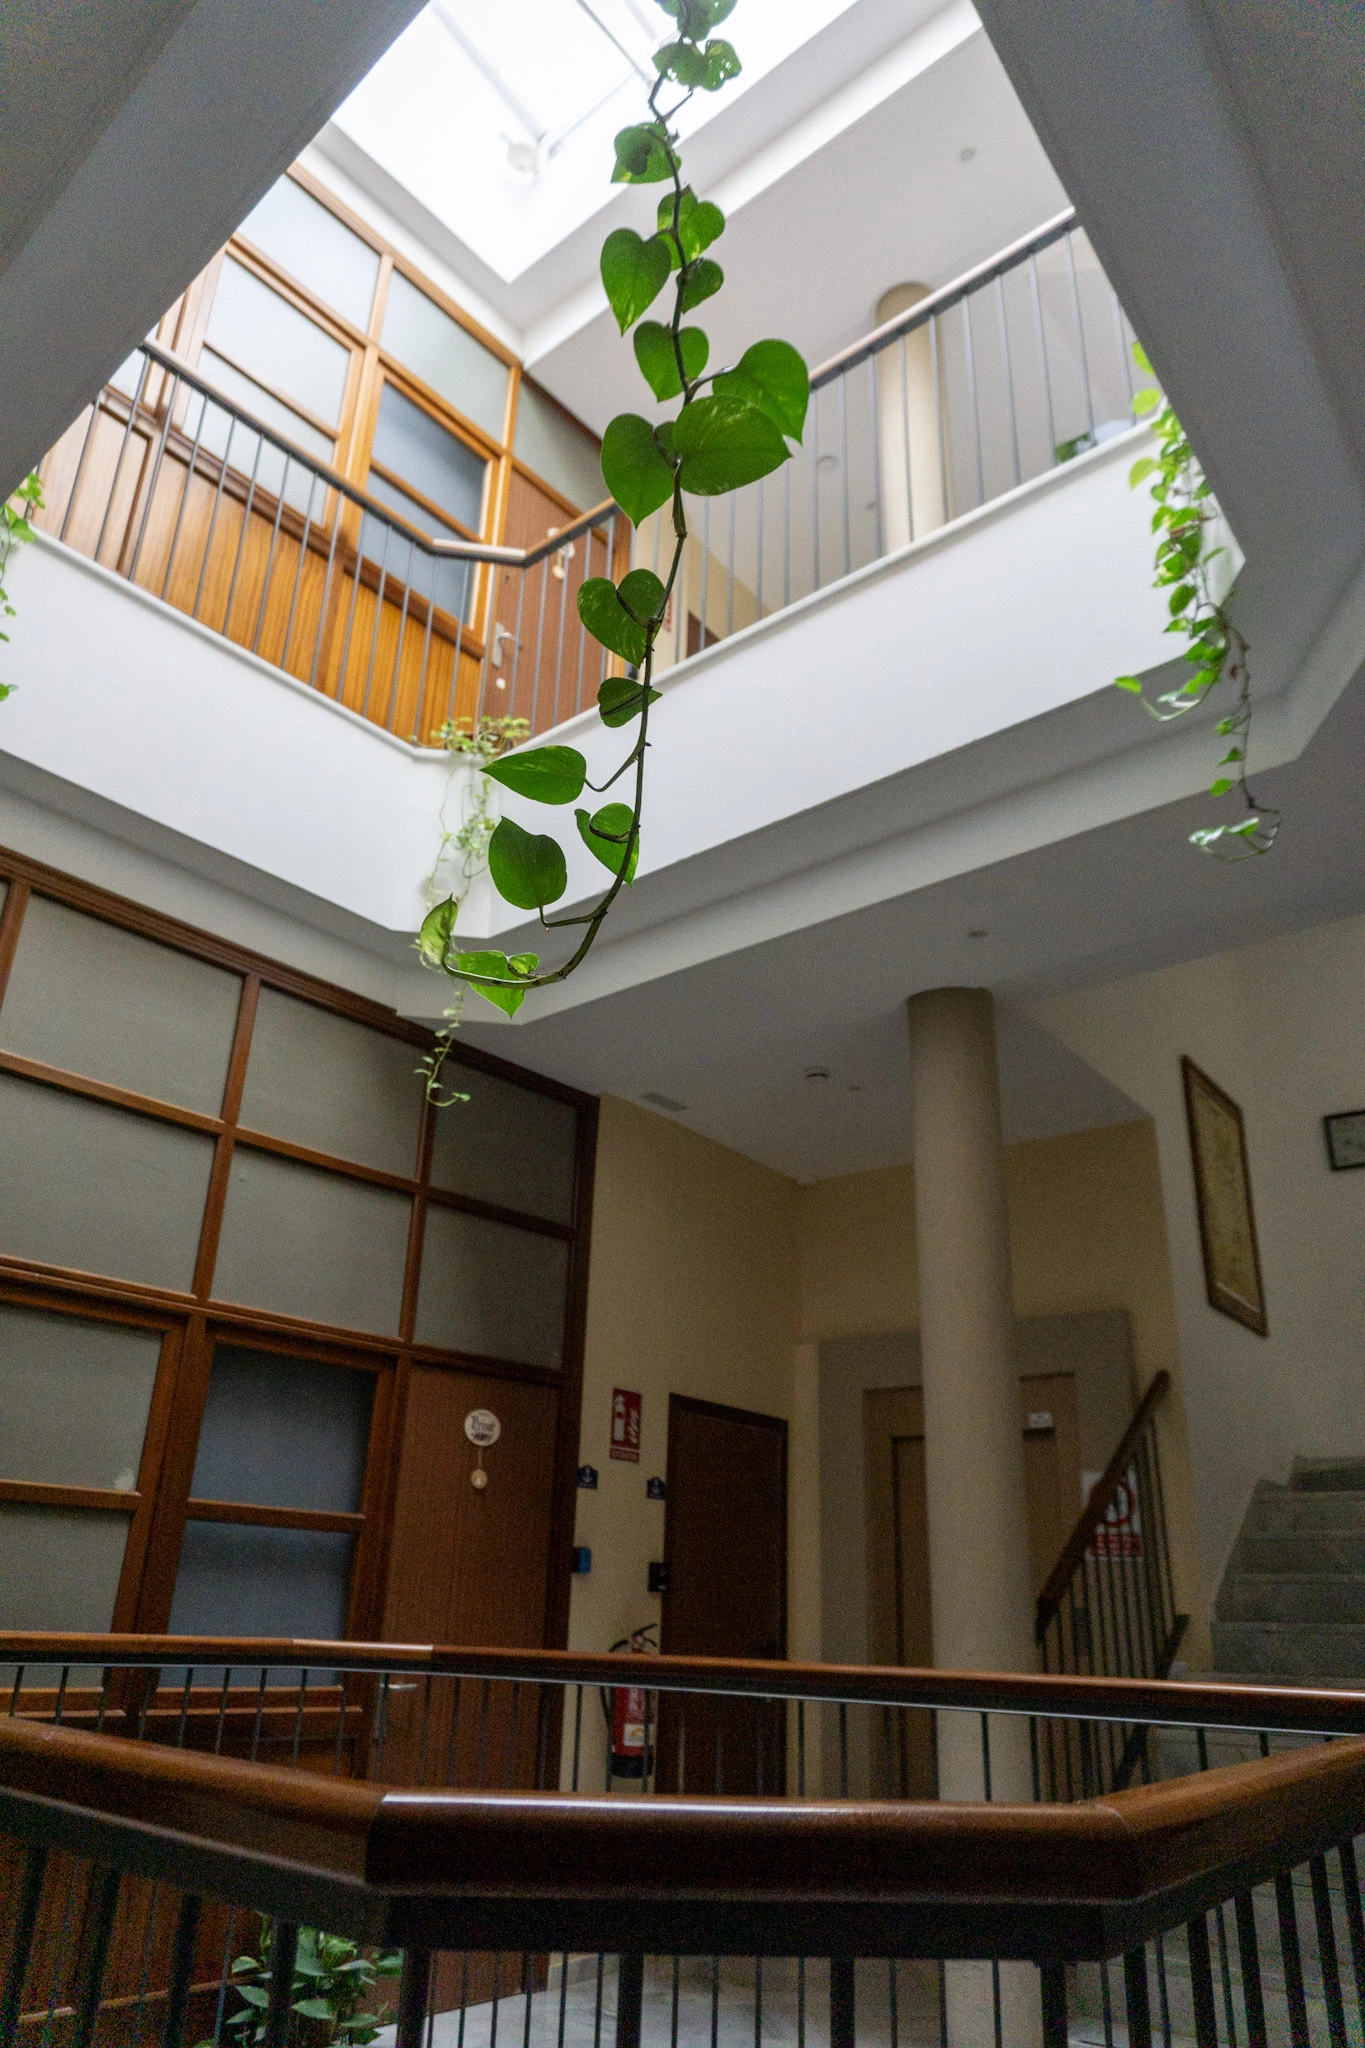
(1281, 1027)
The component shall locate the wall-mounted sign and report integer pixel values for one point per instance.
(625, 1425)
(1345, 1134)
(482, 1427)
(587, 1478)
(655, 1489)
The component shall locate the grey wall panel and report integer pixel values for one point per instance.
(59, 1567)
(335, 1086)
(492, 1289)
(74, 1398)
(506, 1144)
(308, 1243)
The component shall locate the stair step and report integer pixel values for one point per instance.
(1292, 1597)
(1305, 1550)
(1277, 1510)
(1330, 1652)
(1328, 1475)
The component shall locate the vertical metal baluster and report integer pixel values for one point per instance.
(986, 1757)
(843, 1749)
(337, 1749)
(425, 1729)
(940, 413)
(673, 2011)
(1249, 1957)
(321, 632)
(399, 638)
(996, 2013)
(1070, 240)
(843, 2018)
(345, 662)
(270, 552)
(379, 601)
(183, 1950)
(449, 1778)
(544, 567)
(758, 2001)
(1161, 1519)
(154, 479)
(105, 1678)
(1149, 1607)
(1008, 362)
(1052, 1978)
(730, 573)
(1125, 353)
(298, 1715)
(630, 1994)
(843, 454)
(457, 650)
(682, 1742)
(905, 434)
(413, 1994)
(563, 1998)
(25, 1924)
(96, 409)
(484, 1692)
(98, 1930)
(815, 494)
(1327, 1952)
(577, 1734)
(241, 538)
(381, 1715)
(1355, 1920)
(875, 426)
(1225, 1975)
(597, 2014)
(284, 1948)
(542, 1736)
(1163, 1991)
(800, 2002)
(762, 1744)
(970, 357)
(1292, 1958)
(16, 1689)
(893, 2005)
(526, 1995)
(1201, 1984)
(133, 410)
(720, 1742)
(61, 1694)
(1043, 365)
(223, 463)
(304, 539)
(191, 471)
(801, 1749)
(512, 1734)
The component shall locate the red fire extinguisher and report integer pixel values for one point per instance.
(631, 1711)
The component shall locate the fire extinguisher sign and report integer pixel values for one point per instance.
(625, 1425)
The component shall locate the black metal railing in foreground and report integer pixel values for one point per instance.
(1223, 1909)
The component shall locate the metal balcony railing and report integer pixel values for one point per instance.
(1021, 364)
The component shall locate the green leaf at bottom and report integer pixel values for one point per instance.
(520, 966)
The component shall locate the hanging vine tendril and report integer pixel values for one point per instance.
(1183, 520)
(719, 440)
(15, 529)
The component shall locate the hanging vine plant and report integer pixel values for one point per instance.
(16, 514)
(733, 426)
(1184, 522)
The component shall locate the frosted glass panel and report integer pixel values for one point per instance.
(311, 1244)
(306, 239)
(239, 1581)
(270, 339)
(491, 1289)
(558, 449)
(283, 1432)
(274, 473)
(59, 1568)
(99, 1189)
(507, 1145)
(74, 1397)
(96, 1000)
(411, 444)
(449, 583)
(335, 1086)
(439, 351)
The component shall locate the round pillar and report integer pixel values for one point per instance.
(909, 446)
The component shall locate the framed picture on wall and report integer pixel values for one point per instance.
(1345, 1133)
(1222, 1186)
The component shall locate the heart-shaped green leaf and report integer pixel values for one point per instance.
(607, 619)
(521, 966)
(772, 376)
(433, 940)
(634, 272)
(548, 775)
(634, 467)
(622, 698)
(722, 64)
(682, 62)
(528, 868)
(605, 834)
(725, 442)
(703, 280)
(642, 594)
(643, 155)
(658, 362)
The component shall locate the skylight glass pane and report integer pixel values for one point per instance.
(308, 241)
(439, 351)
(443, 468)
(270, 339)
(558, 449)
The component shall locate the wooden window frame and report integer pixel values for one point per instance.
(193, 1321)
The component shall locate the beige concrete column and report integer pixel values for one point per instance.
(973, 1445)
(908, 444)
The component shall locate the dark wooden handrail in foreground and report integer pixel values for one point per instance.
(1183, 1704)
(1102, 1494)
(564, 1871)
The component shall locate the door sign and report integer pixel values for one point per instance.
(1120, 1533)
(482, 1427)
(625, 1425)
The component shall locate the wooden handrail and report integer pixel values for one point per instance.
(543, 1870)
(1160, 1701)
(1101, 1499)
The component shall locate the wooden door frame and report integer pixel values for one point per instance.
(718, 1411)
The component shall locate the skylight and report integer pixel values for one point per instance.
(497, 115)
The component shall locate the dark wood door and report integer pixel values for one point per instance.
(725, 1549)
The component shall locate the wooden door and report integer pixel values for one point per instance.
(725, 1553)
(900, 1615)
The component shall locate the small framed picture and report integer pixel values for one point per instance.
(1222, 1183)
(1345, 1133)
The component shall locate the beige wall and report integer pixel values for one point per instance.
(692, 1290)
(1281, 1026)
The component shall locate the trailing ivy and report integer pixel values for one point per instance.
(733, 426)
(15, 529)
(1217, 652)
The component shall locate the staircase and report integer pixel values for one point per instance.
(1292, 1603)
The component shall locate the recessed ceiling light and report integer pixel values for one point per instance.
(817, 1073)
(964, 156)
(978, 931)
(657, 1101)
(827, 462)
